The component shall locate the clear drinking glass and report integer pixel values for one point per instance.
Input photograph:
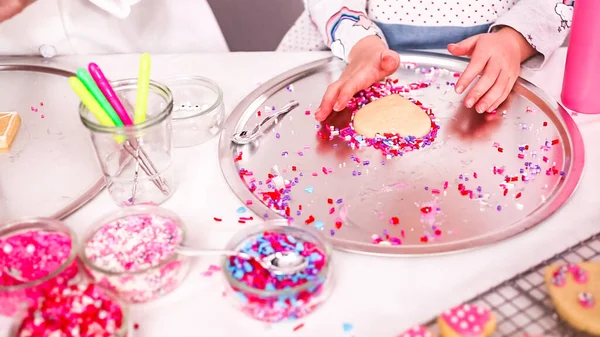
(136, 160)
(291, 302)
(198, 109)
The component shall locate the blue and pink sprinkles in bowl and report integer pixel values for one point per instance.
(274, 298)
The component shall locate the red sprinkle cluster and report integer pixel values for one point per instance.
(82, 310)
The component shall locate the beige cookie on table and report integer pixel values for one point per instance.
(467, 321)
(575, 292)
(392, 114)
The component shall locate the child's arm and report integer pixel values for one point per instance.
(342, 23)
(545, 24)
(350, 34)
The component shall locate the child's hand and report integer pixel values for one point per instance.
(369, 61)
(497, 57)
(10, 8)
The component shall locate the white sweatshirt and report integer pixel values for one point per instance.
(112, 26)
(409, 24)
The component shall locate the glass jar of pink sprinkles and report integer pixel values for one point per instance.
(132, 252)
(82, 309)
(265, 296)
(36, 256)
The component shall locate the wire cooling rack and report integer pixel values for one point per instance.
(522, 304)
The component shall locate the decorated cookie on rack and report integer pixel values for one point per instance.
(467, 321)
(575, 292)
(416, 331)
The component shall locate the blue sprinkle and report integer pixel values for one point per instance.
(242, 297)
(269, 287)
(291, 239)
(248, 267)
(319, 225)
(348, 327)
(241, 210)
(314, 257)
(238, 274)
(309, 189)
(299, 246)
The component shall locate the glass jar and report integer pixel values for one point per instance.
(36, 255)
(198, 109)
(136, 160)
(109, 316)
(272, 298)
(133, 253)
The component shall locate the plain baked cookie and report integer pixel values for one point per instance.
(575, 292)
(467, 321)
(392, 114)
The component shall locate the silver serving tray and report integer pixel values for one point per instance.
(50, 169)
(372, 194)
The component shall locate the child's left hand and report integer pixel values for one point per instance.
(497, 57)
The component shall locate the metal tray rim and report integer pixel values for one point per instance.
(93, 190)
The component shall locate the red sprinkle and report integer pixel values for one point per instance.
(218, 219)
(518, 195)
(239, 157)
(294, 168)
(426, 210)
(424, 239)
(310, 220)
(500, 149)
(338, 224)
(545, 124)
(394, 220)
(555, 141)
(298, 327)
(330, 201)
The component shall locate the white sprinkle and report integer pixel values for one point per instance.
(7, 248)
(463, 325)
(476, 328)
(480, 311)
(454, 319)
(460, 314)
(30, 248)
(471, 318)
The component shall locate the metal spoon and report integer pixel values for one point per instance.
(244, 137)
(280, 263)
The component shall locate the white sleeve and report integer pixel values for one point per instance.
(342, 23)
(545, 24)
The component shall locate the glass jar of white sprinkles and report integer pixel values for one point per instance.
(133, 252)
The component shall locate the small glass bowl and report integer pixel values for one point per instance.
(149, 282)
(124, 331)
(198, 109)
(285, 304)
(16, 294)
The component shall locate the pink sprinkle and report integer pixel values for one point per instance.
(41, 103)
(248, 202)
(445, 185)
(435, 191)
(307, 112)
(315, 174)
(332, 210)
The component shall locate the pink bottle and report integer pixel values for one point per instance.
(580, 91)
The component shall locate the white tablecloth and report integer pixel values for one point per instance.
(377, 296)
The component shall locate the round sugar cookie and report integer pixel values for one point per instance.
(467, 321)
(392, 114)
(575, 292)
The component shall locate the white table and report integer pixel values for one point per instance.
(378, 296)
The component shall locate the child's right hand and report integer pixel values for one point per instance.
(369, 61)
